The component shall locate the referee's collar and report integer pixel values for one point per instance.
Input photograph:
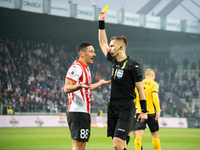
(122, 60)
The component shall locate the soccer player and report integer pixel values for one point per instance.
(153, 106)
(126, 75)
(78, 87)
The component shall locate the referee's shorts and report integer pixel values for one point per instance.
(120, 117)
(133, 126)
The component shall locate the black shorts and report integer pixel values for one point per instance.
(151, 122)
(133, 126)
(120, 118)
(79, 125)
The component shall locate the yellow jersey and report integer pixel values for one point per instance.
(137, 102)
(151, 89)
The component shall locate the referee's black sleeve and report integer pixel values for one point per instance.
(136, 73)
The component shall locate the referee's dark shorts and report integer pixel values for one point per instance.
(120, 117)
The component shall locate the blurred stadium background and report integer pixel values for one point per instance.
(38, 40)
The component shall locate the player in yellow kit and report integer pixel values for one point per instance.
(138, 111)
(153, 107)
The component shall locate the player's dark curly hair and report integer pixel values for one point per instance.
(82, 46)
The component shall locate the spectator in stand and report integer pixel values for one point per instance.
(172, 76)
(195, 92)
(9, 86)
(105, 92)
(21, 99)
(40, 105)
(166, 77)
(25, 106)
(37, 89)
(196, 110)
(185, 63)
(18, 90)
(44, 104)
(187, 95)
(193, 66)
(48, 105)
(32, 78)
(163, 108)
(191, 83)
(170, 101)
(157, 79)
(51, 106)
(32, 104)
(55, 107)
(169, 109)
(44, 92)
(61, 105)
(185, 112)
(174, 108)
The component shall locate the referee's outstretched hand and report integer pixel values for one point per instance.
(102, 16)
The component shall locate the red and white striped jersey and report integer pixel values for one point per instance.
(79, 101)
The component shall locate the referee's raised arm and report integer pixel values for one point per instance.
(103, 42)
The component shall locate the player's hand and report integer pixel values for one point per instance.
(82, 85)
(157, 115)
(102, 16)
(102, 82)
(142, 116)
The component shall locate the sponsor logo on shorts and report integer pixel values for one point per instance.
(121, 130)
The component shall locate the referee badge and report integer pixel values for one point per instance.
(120, 74)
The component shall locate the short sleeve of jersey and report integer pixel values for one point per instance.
(74, 73)
(136, 72)
(155, 87)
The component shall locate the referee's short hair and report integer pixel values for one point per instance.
(82, 46)
(120, 38)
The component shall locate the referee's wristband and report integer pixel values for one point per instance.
(143, 105)
(101, 24)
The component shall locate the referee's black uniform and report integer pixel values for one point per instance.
(121, 109)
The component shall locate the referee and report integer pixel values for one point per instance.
(126, 75)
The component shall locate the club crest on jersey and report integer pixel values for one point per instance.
(120, 74)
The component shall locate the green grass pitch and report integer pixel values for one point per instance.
(59, 139)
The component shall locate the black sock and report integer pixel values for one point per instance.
(127, 139)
